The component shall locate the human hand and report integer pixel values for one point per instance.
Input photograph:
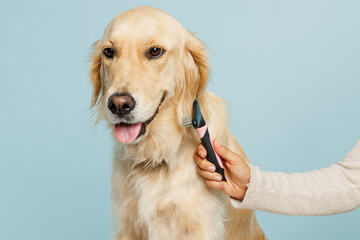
(237, 172)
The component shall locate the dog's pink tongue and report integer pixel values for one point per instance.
(127, 133)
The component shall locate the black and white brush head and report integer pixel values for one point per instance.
(195, 119)
(187, 121)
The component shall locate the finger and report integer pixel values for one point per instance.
(225, 153)
(204, 164)
(216, 185)
(209, 175)
(201, 151)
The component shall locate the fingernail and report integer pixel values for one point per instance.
(217, 178)
(202, 154)
(211, 169)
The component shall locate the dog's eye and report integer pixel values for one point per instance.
(109, 52)
(155, 52)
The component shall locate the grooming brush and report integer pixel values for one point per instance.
(198, 122)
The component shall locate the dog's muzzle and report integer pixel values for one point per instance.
(121, 105)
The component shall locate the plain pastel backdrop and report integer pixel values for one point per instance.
(289, 71)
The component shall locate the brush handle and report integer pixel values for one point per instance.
(212, 157)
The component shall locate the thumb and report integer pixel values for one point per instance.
(224, 152)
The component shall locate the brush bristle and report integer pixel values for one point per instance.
(187, 121)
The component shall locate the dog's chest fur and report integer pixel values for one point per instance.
(162, 201)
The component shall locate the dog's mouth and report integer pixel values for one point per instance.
(129, 132)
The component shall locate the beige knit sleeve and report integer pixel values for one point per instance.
(331, 190)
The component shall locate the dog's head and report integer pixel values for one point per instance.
(146, 71)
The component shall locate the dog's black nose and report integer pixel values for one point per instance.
(121, 104)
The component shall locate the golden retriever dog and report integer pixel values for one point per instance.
(146, 72)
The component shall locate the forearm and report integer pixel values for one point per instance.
(332, 190)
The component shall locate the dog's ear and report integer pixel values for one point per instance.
(95, 76)
(197, 71)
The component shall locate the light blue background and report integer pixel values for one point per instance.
(289, 71)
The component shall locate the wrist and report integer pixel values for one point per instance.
(242, 192)
(243, 183)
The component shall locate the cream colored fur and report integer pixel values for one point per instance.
(156, 191)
